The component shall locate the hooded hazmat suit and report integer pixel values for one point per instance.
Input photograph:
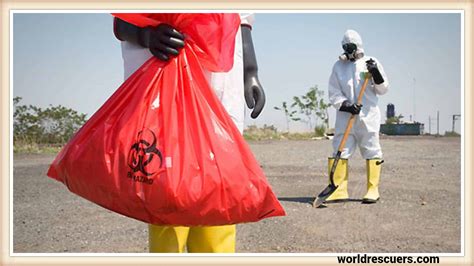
(345, 84)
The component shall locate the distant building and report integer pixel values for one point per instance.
(402, 129)
(390, 110)
(397, 127)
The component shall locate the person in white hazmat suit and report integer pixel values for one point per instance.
(345, 83)
(241, 82)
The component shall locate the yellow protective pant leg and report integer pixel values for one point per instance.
(374, 167)
(340, 178)
(204, 239)
(212, 239)
(167, 239)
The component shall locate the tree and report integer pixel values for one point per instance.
(394, 120)
(289, 114)
(55, 124)
(313, 106)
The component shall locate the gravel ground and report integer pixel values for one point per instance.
(419, 210)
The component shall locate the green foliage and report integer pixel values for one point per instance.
(298, 136)
(394, 120)
(254, 133)
(52, 125)
(266, 132)
(319, 131)
(289, 114)
(313, 107)
(31, 147)
(451, 134)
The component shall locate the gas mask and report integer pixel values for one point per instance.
(350, 52)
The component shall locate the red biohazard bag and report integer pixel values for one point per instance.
(162, 149)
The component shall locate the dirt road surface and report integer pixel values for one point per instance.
(419, 210)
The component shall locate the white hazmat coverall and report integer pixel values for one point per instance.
(344, 84)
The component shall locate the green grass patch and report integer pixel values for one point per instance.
(451, 134)
(30, 147)
(254, 133)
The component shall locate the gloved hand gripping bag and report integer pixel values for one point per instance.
(162, 149)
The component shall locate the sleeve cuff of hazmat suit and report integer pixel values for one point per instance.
(338, 104)
(247, 19)
(381, 88)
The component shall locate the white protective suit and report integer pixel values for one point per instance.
(229, 86)
(344, 84)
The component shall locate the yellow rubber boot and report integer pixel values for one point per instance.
(167, 239)
(212, 239)
(340, 178)
(374, 167)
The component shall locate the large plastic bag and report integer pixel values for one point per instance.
(163, 149)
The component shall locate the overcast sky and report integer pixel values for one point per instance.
(75, 60)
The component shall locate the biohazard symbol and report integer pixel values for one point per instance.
(143, 152)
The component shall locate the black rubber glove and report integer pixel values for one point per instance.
(253, 90)
(349, 107)
(374, 70)
(163, 40)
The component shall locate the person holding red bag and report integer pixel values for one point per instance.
(241, 82)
